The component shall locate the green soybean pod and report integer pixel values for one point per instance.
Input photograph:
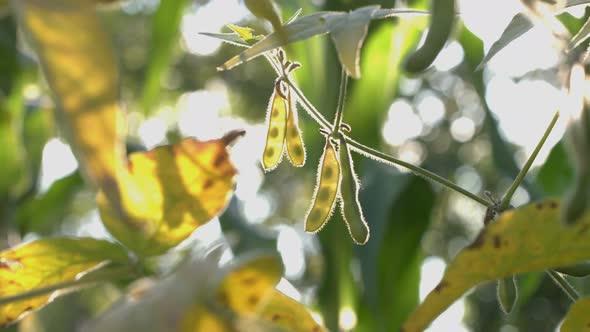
(326, 190)
(350, 206)
(277, 128)
(578, 270)
(507, 294)
(441, 24)
(294, 141)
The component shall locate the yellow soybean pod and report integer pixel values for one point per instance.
(277, 127)
(350, 206)
(326, 190)
(295, 147)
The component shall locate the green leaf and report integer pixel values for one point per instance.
(164, 33)
(348, 32)
(517, 27)
(48, 262)
(231, 38)
(526, 239)
(577, 318)
(47, 211)
(557, 173)
(385, 48)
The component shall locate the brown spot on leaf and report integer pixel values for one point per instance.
(249, 281)
(553, 205)
(219, 160)
(275, 317)
(479, 241)
(29, 308)
(584, 229)
(130, 165)
(208, 184)
(253, 300)
(539, 206)
(4, 265)
(497, 242)
(315, 329)
(441, 286)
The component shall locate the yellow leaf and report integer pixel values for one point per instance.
(526, 239)
(577, 319)
(77, 59)
(249, 291)
(295, 147)
(277, 126)
(45, 263)
(324, 196)
(201, 319)
(169, 192)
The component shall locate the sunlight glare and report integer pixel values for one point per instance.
(347, 319)
(57, 161)
(210, 17)
(290, 246)
(152, 132)
(402, 123)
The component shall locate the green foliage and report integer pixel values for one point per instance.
(160, 202)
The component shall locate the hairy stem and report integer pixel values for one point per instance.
(567, 288)
(508, 196)
(380, 156)
(341, 102)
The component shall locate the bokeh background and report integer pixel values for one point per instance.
(475, 127)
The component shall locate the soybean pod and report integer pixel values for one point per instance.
(277, 127)
(441, 25)
(507, 293)
(326, 190)
(295, 147)
(352, 212)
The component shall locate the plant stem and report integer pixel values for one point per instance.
(508, 196)
(341, 102)
(567, 288)
(90, 279)
(379, 156)
(387, 159)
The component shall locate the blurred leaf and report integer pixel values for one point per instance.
(38, 127)
(169, 192)
(12, 167)
(577, 319)
(385, 49)
(47, 262)
(48, 210)
(400, 255)
(526, 239)
(266, 10)
(231, 38)
(8, 52)
(579, 37)
(245, 33)
(557, 174)
(248, 290)
(516, 28)
(77, 59)
(348, 31)
(165, 27)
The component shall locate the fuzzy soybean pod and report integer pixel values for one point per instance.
(441, 24)
(295, 147)
(326, 190)
(352, 212)
(507, 293)
(577, 202)
(277, 127)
